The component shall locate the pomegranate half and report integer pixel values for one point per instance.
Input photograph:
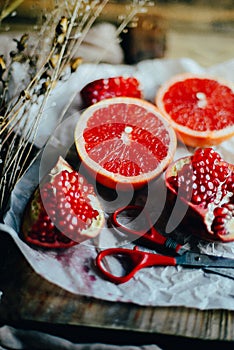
(63, 210)
(205, 183)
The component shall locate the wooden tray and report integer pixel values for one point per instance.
(27, 297)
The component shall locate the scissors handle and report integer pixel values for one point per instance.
(137, 260)
(152, 236)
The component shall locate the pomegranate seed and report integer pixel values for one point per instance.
(197, 199)
(66, 206)
(220, 211)
(222, 215)
(207, 175)
(211, 184)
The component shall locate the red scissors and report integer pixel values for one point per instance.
(127, 262)
(145, 232)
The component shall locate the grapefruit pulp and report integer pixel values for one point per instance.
(124, 141)
(199, 108)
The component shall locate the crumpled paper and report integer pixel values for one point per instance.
(74, 269)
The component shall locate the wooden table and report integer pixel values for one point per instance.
(29, 301)
(197, 29)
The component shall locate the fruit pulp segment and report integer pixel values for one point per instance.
(69, 194)
(204, 179)
(44, 230)
(65, 209)
(126, 139)
(200, 104)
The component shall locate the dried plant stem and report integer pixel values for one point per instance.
(82, 28)
(58, 69)
(19, 145)
(89, 24)
(18, 130)
(10, 8)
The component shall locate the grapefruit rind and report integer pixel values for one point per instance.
(110, 179)
(188, 136)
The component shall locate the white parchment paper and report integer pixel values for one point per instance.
(73, 269)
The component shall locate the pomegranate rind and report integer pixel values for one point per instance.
(30, 218)
(188, 136)
(111, 179)
(35, 206)
(195, 218)
(111, 87)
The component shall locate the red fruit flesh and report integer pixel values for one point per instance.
(206, 183)
(111, 87)
(124, 142)
(63, 211)
(199, 108)
(193, 101)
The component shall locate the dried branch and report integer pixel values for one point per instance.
(61, 35)
(9, 8)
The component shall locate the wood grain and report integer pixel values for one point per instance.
(28, 297)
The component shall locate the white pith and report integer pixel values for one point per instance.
(202, 101)
(126, 135)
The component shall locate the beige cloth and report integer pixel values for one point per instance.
(99, 45)
(17, 339)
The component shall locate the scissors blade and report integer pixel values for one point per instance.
(226, 272)
(203, 260)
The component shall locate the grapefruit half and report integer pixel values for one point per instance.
(199, 108)
(124, 141)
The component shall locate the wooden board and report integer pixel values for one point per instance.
(29, 298)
